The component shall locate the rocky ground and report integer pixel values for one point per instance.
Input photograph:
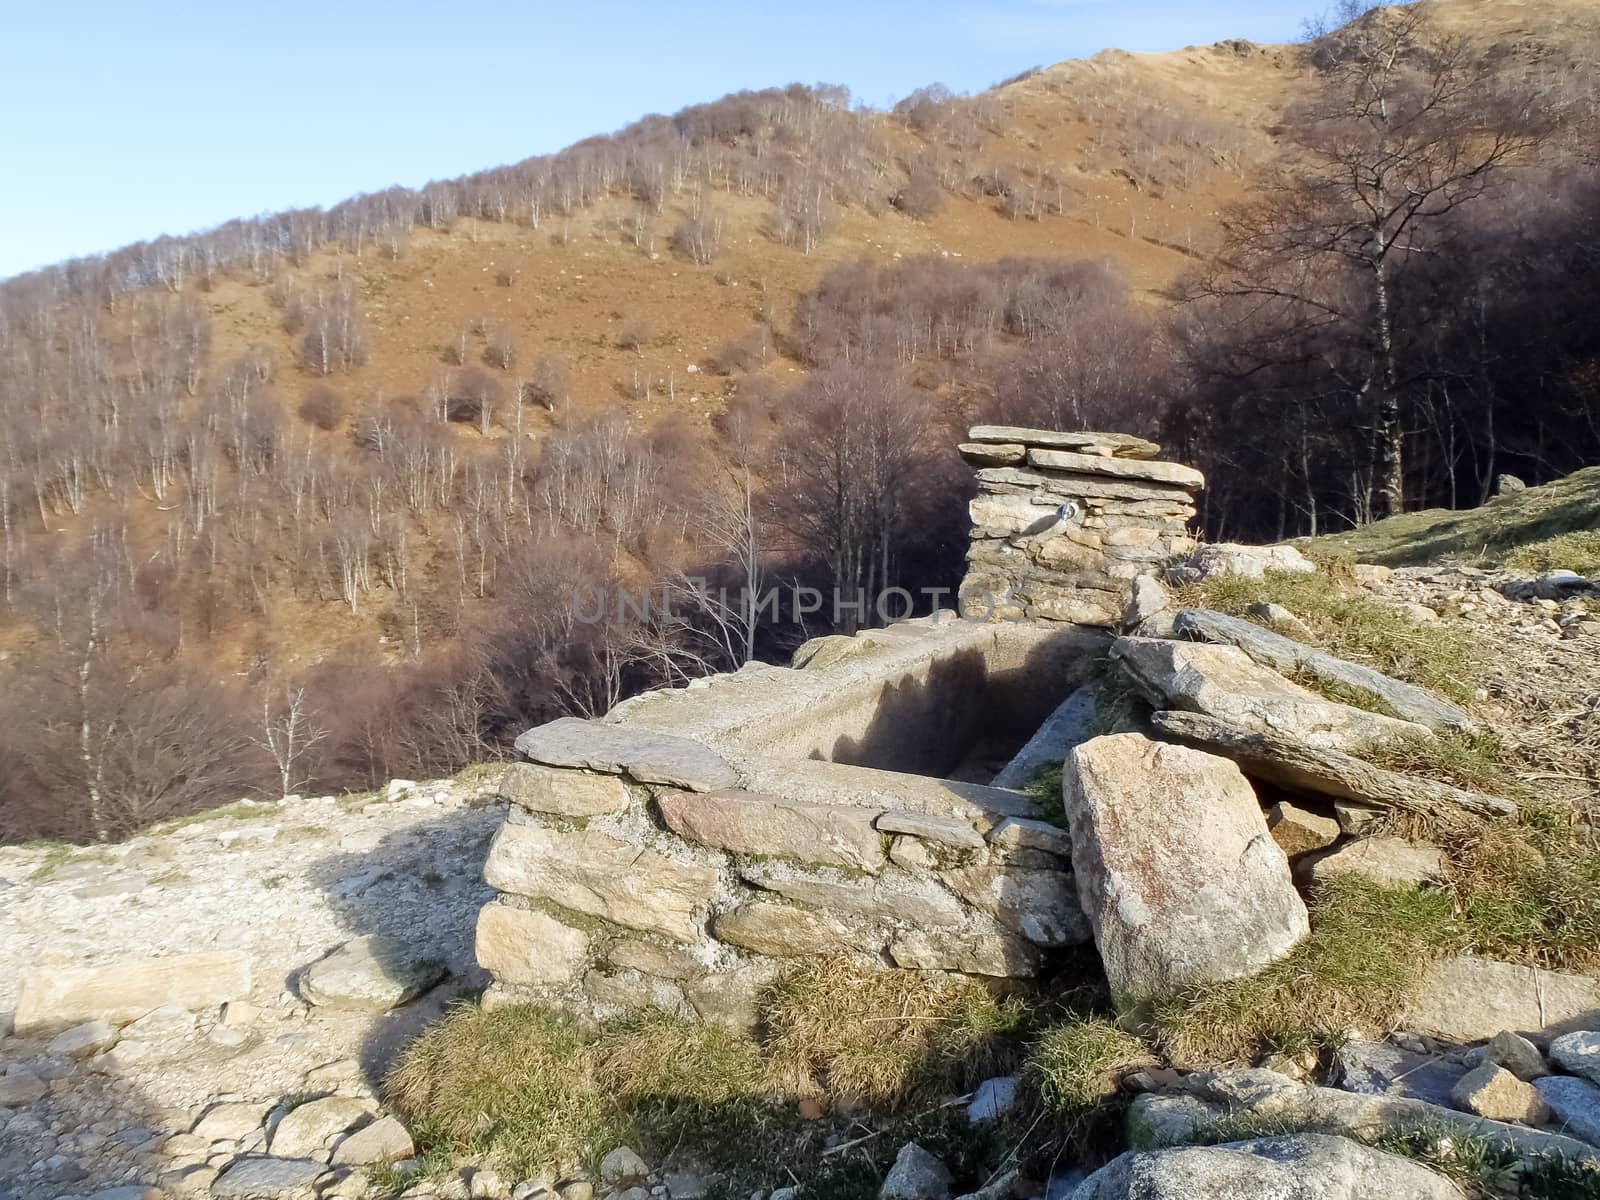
(278, 885)
(308, 922)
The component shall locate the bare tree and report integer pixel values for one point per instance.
(1404, 134)
(288, 735)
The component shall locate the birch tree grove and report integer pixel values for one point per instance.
(1409, 127)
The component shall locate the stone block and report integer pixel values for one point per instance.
(529, 948)
(643, 754)
(564, 793)
(745, 823)
(602, 876)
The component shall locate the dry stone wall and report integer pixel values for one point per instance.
(621, 892)
(1063, 523)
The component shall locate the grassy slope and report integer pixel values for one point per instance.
(1509, 529)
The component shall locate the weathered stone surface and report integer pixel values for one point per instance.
(384, 1139)
(1071, 724)
(1020, 833)
(623, 1166)
(1578, 1053)
(1300, 831)
(912, 854)
(652, 958)
(1176, 871)
(746, 823)
(1307, 1166)
(732, 999)
(916, 1175)
(19, 1086)
(308, 1129)
(263, 1177)
(1290, 657)
(1516, 1054)
(561, 792)
(644, 754)
(229, 1122)
(83, 1040)
(785, 931)
(945, 831)
(522, 946)
(1282, 621)
(1040, 905)
(369, 974)
(1291, 763)
(1386, 860)
(602, 876)
(1080, 487)
(820, 653)
(1230, 558)
(993, 454)
(1147, 600)
(55, 997)
(631, 990)
(1467, 999)
(1114, 468)
(1494, 1092)
(1383, 1069)
(1121, 445)
(894, 897)
(1575, 1103)
(1262, 1095)
(1223, 682)
(972, 951)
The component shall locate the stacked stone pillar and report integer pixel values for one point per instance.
(1063, 523)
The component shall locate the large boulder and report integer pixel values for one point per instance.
(57, 996)
(1302, 1167)
(1226, 683)
(1180, 879)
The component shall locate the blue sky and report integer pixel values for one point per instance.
(124, 119)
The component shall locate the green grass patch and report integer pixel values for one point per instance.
(528, 1088)
(242, 810)
(885, 1039)
(1486, 536)
(1474, 761)
(1576, 551)
(1351, 624)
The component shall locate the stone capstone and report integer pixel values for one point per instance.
(944, 831)
(57, 996)
(1071, 463)
(371, 974)
(602, 876)
(562, 793)
(1224, 683)
(1118, 445)
(643, 754)
(746, 823)
(523, 946)
(1180, 879)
